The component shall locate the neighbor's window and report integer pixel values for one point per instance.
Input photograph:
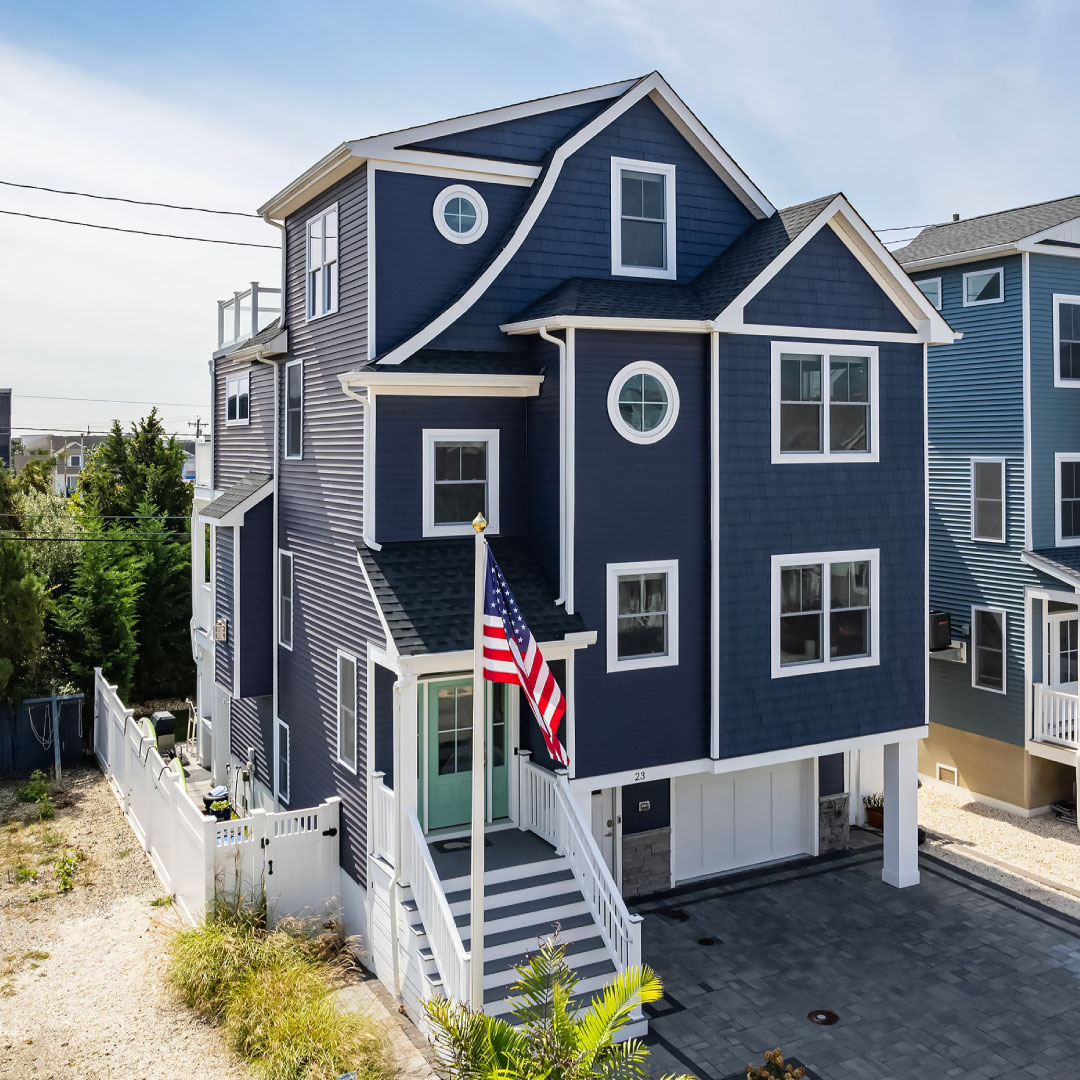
(825, 611)
(988, 649)
(237, 388)
(1067, 339)
(931, 289)
(294, 409)
(988, 499)
(824, 403)
(285, 598)
(1068, 499)
(75, 461)
(460, 480)
(642, 218)
(642, 624)
(984, 287)
(643, 402)
(282, 761)
(346, 696)
(322, 263)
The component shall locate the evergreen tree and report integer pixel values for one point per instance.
(22, 616)
(37, 474)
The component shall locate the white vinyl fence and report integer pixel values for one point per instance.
(292, 854)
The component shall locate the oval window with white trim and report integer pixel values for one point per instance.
(460, 214)
(643, 402)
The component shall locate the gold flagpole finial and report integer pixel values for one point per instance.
(479, 523)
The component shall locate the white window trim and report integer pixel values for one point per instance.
(656, 566)
(1003, 539)
(669, 270)
(283, 554)
(825, 350)
(1000, 271)
(1059, 299)
(1059, 540)
(293, 364)
(235, 380)
(351, 766)
(827, 663)
(431, 437)
(617, 422)
(465, 192)
(940, 291)
(1004, 649)
(280, 795)
(332, 209)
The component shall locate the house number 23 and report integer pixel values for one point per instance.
(639, 775)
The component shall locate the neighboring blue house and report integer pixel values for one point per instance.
(1004, 481)
(695, 424)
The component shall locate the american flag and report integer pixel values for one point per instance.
(511, 656)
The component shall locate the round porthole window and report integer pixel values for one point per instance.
(460, 214)
(643, 402)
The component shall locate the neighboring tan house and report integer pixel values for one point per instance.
(70, 452)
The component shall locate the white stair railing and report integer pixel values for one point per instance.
(547, 808)
(1056, 717)
(382, 820)
(442, 932)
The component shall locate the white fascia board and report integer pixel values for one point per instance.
(274, 347)
(453, 166)
(462, 660)
(391, 647)
(328, 170)
(235, 517)
(1031, 243)
(1051, 568)
(443, 385)
(602, 322)
(974, 255)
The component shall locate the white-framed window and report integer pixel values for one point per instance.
(237, 399)
(1067, 499)
(824, 403)
(1066, 340)
(460, 214)
(931, 289)
(988, 649)
(825, 611)
(285, 598)
(208, 554)
(294, 409)
(322, 263)
(643, 402)
(642, 614)
(984, 287)
(75, 461)
(346, 709)
(988, 499)
(642, 218)
(460, 480)
(282, 760)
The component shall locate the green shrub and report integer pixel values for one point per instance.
(24, 873)
(45, 809)
(64, 868)
(35, 788)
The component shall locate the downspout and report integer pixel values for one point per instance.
(714, 542)
(560, 344)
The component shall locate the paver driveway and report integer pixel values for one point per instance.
(955, 977)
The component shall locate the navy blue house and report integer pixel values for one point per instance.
(696, 426)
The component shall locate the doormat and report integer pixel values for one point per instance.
(463, 843)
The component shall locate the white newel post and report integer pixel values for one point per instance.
(330, 820)
(901, 863)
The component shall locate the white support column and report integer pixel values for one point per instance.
(901, 864)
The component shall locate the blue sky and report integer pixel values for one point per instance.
(915, 110)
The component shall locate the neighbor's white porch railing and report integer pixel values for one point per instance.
(247, 313)
(381, 801)
(1056, 717)
(547, 808)
(442, 932)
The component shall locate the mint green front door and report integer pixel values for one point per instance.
(448, 760)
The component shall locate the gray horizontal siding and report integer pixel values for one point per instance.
(251, 727)
(243, 448)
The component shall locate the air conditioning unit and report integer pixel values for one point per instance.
(940, 630)
(221, 629)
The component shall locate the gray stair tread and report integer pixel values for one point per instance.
(582, 1001)
(572, 948)
(531, 931)
(498, 887)
(589, 971)
(540, 903)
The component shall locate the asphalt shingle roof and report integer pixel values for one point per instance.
(1063, 561)
(265, 335)
(989, 230)
(232, 497)
(425, 591)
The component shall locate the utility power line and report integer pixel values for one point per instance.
(134, 202)
(115, 401)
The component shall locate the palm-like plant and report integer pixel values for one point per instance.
(557, 1040)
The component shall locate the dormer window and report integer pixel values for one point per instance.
(461, 479)
(642, 218)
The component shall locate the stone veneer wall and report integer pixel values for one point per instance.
(646, 862)
(833, 828)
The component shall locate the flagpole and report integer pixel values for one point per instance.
(479, 780)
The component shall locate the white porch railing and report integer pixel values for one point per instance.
(547, 808)
(246, 313)
(1056, 717)
(446, 944)
(381, 801)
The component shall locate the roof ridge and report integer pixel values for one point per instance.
(1000, 213)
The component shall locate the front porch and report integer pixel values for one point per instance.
(1053, 664)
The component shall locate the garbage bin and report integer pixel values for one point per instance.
(165, 729)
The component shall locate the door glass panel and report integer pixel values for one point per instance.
(454, 729)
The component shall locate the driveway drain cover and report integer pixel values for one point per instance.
(824, 1017)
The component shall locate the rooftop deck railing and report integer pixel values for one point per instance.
(246, 313)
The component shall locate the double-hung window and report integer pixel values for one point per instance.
(1066, 340)
(1067, 516)
(322, 263)
(285, 598)
(984, 287)
(346, 712)
(237, 398)
(988, 649)
(642, 218)
(825, 611)
(460, 480)
(824, 403)
(988, 499)
(642, 615)
(294, 409)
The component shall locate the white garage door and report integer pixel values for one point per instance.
(741, 819)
